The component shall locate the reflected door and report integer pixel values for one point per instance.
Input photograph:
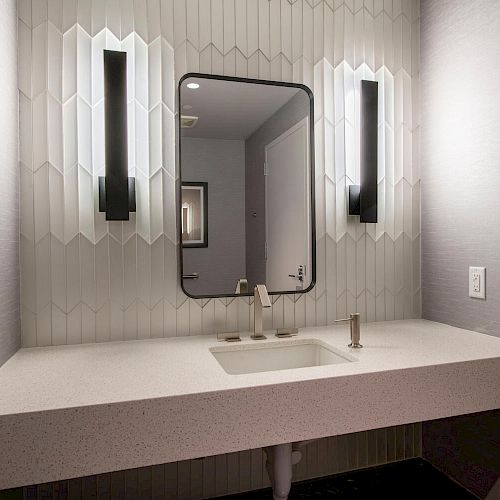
(286, 209)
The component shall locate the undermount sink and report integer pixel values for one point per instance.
(277, 355)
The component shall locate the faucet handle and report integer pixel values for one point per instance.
(286, 332)
(228, 337)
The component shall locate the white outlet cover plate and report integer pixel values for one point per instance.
(477, 282)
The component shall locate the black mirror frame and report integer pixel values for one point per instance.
(312, 173)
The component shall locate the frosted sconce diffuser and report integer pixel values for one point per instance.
(116, 189)
(363, 198)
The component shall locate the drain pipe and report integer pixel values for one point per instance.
(279, 462)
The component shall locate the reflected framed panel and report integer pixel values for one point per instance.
(194, 214)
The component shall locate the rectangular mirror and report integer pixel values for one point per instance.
(246, 194)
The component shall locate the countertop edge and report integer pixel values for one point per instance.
(101, 438)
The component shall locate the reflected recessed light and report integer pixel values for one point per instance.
(193, 85)
(187, 106)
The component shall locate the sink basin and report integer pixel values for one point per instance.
(277, 355)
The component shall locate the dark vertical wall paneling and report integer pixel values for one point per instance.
(235, 472)
(466, 448)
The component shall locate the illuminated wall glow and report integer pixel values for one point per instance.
(85, 279)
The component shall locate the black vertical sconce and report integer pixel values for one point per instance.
(116, 188)
(363, 198)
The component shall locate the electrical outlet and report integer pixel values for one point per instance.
(477, 282)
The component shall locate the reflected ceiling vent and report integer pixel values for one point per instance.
(188, 121)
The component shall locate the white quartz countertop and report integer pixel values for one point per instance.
(71, 411)
(48, 378)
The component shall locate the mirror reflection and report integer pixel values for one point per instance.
(246, 192)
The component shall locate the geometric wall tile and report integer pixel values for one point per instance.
(154, 76)
(84, 134)
(54, 60)
(143, 321)
(73, 272)
(69, 67)
(58, 326)
(88, 324)
(25, 132)
(41, 195)
(58, 274)
(157, 272)
(27, 227)
(70, 135)
(25, 47)
(130, 319)
(127, 18)
(28, 327)
(117, 323)
(97, 135)
(84, 63)
(143, 216)
(85, 203)
(39, 60)
(144, 271)
(74, 326)
(44, 326)
(39, 136)
(70, 207)
(84, 279)
(102, 273)
(102, 324)
(56, 201)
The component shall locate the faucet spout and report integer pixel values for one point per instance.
(261, 291)
(261, 300)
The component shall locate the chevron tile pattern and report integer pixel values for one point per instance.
(85, 280)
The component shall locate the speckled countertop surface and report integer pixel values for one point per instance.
(39, 379)
(71, 411)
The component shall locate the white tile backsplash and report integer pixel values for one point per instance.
(86, 280)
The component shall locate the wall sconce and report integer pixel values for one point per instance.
(363, 198)
(116, 189)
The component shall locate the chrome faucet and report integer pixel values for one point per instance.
(355, 324)
(261, 299)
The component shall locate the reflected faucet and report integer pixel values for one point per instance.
(355, 324)
(261, 299)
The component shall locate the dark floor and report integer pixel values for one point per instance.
(409, 480)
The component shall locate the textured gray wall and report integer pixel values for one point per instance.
(460, 155)
(10, 330)
(287, 116)
(221, 163)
